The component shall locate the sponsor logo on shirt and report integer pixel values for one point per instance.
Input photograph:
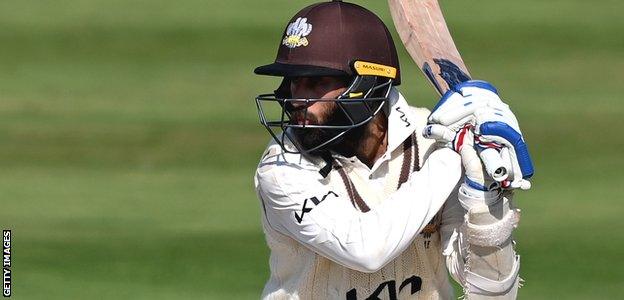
(403, 117)
(305, 209)
(414, 283)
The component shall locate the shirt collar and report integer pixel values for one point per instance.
(401, 124)
(401, 120)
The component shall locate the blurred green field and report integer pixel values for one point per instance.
(129, 138)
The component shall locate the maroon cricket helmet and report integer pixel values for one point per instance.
(325, 39)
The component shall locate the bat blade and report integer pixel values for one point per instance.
(426, 37)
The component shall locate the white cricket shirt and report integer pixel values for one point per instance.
(361, 232)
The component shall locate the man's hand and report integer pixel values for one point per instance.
(472, 120)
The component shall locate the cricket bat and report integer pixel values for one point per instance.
(426, 37)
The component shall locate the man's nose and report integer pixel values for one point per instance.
(299, 104)
(303, 90)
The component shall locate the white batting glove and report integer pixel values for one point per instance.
(472, 113)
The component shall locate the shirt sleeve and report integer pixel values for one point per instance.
(335, 229)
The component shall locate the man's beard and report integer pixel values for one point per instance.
(309, 138)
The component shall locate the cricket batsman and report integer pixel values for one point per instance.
(366, 197)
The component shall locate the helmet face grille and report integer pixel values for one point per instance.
(357, 106)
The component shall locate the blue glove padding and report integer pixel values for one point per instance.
(498, 129)
(497, 136)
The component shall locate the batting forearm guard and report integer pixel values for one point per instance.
(486, 247)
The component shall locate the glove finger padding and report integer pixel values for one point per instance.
(476, 174)
(439, 133)
(501, 127)
(494, 164)
(517, 180)
(453, 139)
(460, 103)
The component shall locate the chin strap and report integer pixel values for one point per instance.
(329, 163)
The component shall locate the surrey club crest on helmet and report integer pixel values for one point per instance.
(296, 33)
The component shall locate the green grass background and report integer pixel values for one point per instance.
(129, 138)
